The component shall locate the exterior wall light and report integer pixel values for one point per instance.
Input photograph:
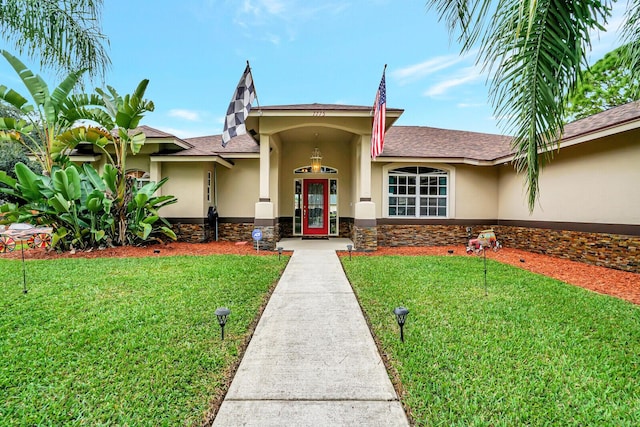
(401, 317)
(222, 313)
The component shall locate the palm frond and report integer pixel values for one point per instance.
(61, 33)
(534, 51)
(466, 19)
(631, 36)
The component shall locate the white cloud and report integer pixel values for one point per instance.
(258, 8)
(273, 17)
(192, 116)
(465, 76)
(417, 71)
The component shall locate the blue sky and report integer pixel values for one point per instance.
(194, 52)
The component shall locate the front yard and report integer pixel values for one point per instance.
(534, 351)
(124, 341)
(134, 341)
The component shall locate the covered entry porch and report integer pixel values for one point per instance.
(315, 172)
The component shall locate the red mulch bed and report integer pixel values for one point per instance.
(599, 279)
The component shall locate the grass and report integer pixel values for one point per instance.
(123, 341)
(534, 351)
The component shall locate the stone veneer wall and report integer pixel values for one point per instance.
(422, 235)
(345, 228)
(607, 250)
(270, 236)
(191, 233)
(234, 231)
(365, 238)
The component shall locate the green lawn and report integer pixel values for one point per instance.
(123, 341)
(534, 351)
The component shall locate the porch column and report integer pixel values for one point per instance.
(264, 215)
(265, 167)
(365, 233)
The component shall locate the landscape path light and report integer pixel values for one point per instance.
(222, 313)
(280, 249)
(349, 248)
(401, 317)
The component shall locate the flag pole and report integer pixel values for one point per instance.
(384, 70)
(254, 87)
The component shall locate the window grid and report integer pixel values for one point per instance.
(418, 192)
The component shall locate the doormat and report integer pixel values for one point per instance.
(314, 238)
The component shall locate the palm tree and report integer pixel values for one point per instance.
(61, 33)
(534, 51)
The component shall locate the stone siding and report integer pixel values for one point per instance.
(286, 227)
(606, 250)
(365, 238)
(345, 227)
(270, 236)
(422, 235)
(235, 232)
(191, 233)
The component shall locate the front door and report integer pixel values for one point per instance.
(315, 212)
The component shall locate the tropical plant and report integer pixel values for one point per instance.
(39, 123)
(118, 117)
(61, 33)
(78, 203)
(534, 51)
(606, 84)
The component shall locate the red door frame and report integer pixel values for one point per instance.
(325, 212)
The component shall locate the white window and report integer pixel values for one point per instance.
(417, 191)
(141, 177)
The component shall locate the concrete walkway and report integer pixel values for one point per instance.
(312, 360)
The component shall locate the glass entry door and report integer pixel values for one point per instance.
(315, 212)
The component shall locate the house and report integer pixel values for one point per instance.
(306, 170)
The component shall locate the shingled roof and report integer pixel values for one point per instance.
(428, 142)
(415, 141)
(613, 117)
(212, 146)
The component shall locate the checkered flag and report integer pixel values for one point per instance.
(239, 107)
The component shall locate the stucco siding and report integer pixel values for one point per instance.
(239, 189)
(187, 184)
(476, 192)
(595, 182)
(139, 162)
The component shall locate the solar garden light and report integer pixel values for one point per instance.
(279, 252)
(401, 316)
(221, 314)
(349, 248)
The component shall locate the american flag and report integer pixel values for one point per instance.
(379, 115)
(239, 107)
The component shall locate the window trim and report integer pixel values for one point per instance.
(451, 186)
(140, 181)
